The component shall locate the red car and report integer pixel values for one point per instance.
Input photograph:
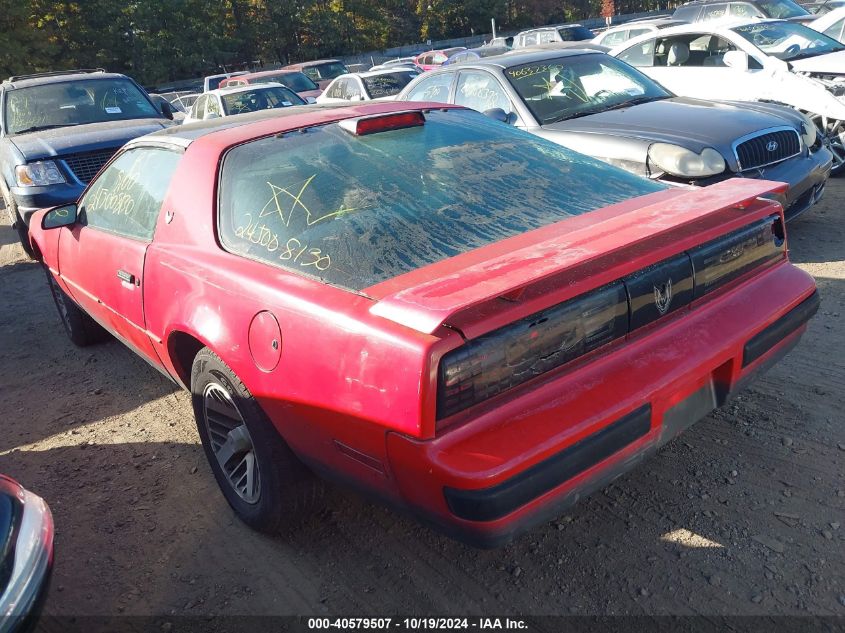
(299, 82)
(483, 341)
(435, 59)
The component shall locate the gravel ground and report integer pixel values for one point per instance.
(741, 515)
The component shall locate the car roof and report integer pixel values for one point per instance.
(374, 73)
(713, 26)
(26, 81)
(246, 127)
(315, 62)
(268, 73)
(550, 27)
(227, 90)
(519, 56)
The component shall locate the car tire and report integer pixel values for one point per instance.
(19, 225)
(238, 438)
(81, 329)
(832, 132)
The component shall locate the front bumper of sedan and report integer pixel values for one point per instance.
(32, 559)
(524, 459)
(805, 174)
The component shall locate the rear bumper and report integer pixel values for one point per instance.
(522, 459)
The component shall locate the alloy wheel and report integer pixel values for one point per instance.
(833, 131)
(231, 442)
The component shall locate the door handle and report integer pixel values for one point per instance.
(128, 277)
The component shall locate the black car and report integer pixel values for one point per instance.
(705, 10)
(602, 107)
(26, 555)
(58, 129)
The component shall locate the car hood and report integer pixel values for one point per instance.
(832, 63)
(671, 121)
(84, 138)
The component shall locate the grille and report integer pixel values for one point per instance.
(765, 149)
(86, 165)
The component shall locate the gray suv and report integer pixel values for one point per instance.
(58, 129)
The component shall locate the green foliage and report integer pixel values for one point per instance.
(157, 41)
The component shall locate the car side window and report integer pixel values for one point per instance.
(641, 54)
(199, 107)
(353, 89)
(835, 29)
(127, 197)
(212, 107)
(432, 88)
(692, 50)
(546, 37)
(632, 33)
(688, 13)
(334, 92)
(529, 40)
(714, 12)
(481, 91)
(744, 10)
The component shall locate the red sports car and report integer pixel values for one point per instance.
(483, 340)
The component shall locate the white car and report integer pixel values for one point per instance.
(616, 35)
(372, 85)
(240, 100)
(831, 24)
(763, 60)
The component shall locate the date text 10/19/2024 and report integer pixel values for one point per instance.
(417, 624)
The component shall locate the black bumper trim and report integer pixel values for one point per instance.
(780, 329)
(489, 504)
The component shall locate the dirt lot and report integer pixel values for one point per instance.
(743, 514)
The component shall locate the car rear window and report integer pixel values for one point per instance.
(354, 211)
(387, 84)
(298, 82)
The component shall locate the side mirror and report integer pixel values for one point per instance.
(167, 110)
(356, 98)
(58, 217)
(310, 100)
(736, 60)
(211, 115)
(497, 114)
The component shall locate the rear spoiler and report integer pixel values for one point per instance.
(426, 306)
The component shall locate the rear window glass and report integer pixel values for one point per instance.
(387, 85)
(355, 211)
(298, 82)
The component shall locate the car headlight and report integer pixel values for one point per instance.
(808, 130)
(44, 172)
(680, 161)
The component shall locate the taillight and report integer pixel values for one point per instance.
(518, 352)
(722, 260)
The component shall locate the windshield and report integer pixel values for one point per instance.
(297, 82)
(354, 211)
(781, 9)
(329, 70)
(75, 103)
(387, 84)
(788, 40)
(568, 87)
(263, 98)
